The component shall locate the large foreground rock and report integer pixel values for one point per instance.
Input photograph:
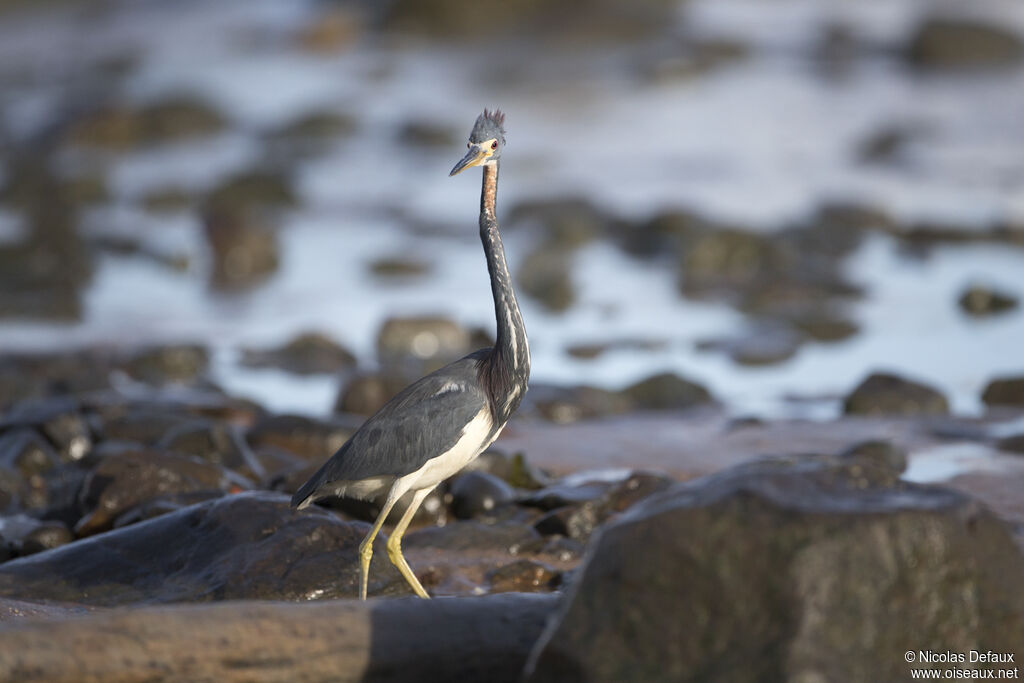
(810, 570)
(468, 639)
(250, 545)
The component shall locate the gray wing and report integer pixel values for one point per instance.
(422, 421)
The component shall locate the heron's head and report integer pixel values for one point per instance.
(486, 141)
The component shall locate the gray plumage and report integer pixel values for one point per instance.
(437, 425)
(420, 422)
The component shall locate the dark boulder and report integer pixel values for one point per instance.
(21, 535)
(667, 391)
(215, 442)
(523, 576)
(131, 476)
(1004, 391)
(790, 569)
(981, 300)
(306, 437)
(941, 43)
(245, 546)
(478, 494)
(885, 394)
(306, 354)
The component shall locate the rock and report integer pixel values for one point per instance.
(565, 224)
(569, 404)
(166, 364)
(514, 470)
(885, 394)
(523, 576)
(365, 394)
(430, 341)
(427, 134)
(1004, 391)
(728, 259)
(25, 451)
(22, 535)
(168, 200)
(588, 351)
(59, 420)
(940, 43)
(311, 134)
(579, 521)
(561, 494)
(121, 128)
(665, 233)
(307, 354)
(478, 494)
(471, 535)
(245, 249)
(888, 144)
(146, 427)
(252, 190)
(667, 391)
(765, 344)
(545, 276)
(334, 29)
(213, 442)
(580, 22)
(399, 267)
(430, 641)
(128, 477)
(1011, 444)
(790, 570)
(979, 300)
(823, 326)
(162, 505)
(245, 546)
(308, 438)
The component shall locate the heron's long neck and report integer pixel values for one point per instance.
(507, 368)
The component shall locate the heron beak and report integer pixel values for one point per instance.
(476, 155)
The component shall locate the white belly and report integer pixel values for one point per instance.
(476, 437)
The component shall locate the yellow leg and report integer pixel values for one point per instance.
(395, 543)
(366, 547)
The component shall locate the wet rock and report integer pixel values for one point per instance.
(471, 535)
(579, 521)
(569, 404)
(399, 267)
(788, 570)
(427, 134)
(133, 248)
(21, 535)
(162, 505)
(523, 576)
(885, 394)
(564, 223)
(1011, 444)
(333, 30)
(85, 190)
(121, 127)
(577, 21)
(1004, 391)
(345, 641)
(307, 354)
(561, 494)
(941, 43)
(25, 451)
(515, 470)
(823, 326)
(146, 427)
(213, 442)
(478, 494)
(246, 546)
(311, 134)
(545, 276)
(129, 477)
(980, 300)
(664, 233)
(884, 458)
(767, 344)
(168, 200)
(726, 260)
(667, 391)
(59, 420)
(172, 363)
(57, 498)
(589, 351)
(431, 340)
(308, 438)
(250, 190)
(365, 394)
(244, 248)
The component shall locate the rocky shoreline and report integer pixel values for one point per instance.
(160, 507)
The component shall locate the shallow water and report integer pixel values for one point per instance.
(760, 143)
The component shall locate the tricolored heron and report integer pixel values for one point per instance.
(437, 425)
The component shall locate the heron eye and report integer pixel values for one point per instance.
(494, 145)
